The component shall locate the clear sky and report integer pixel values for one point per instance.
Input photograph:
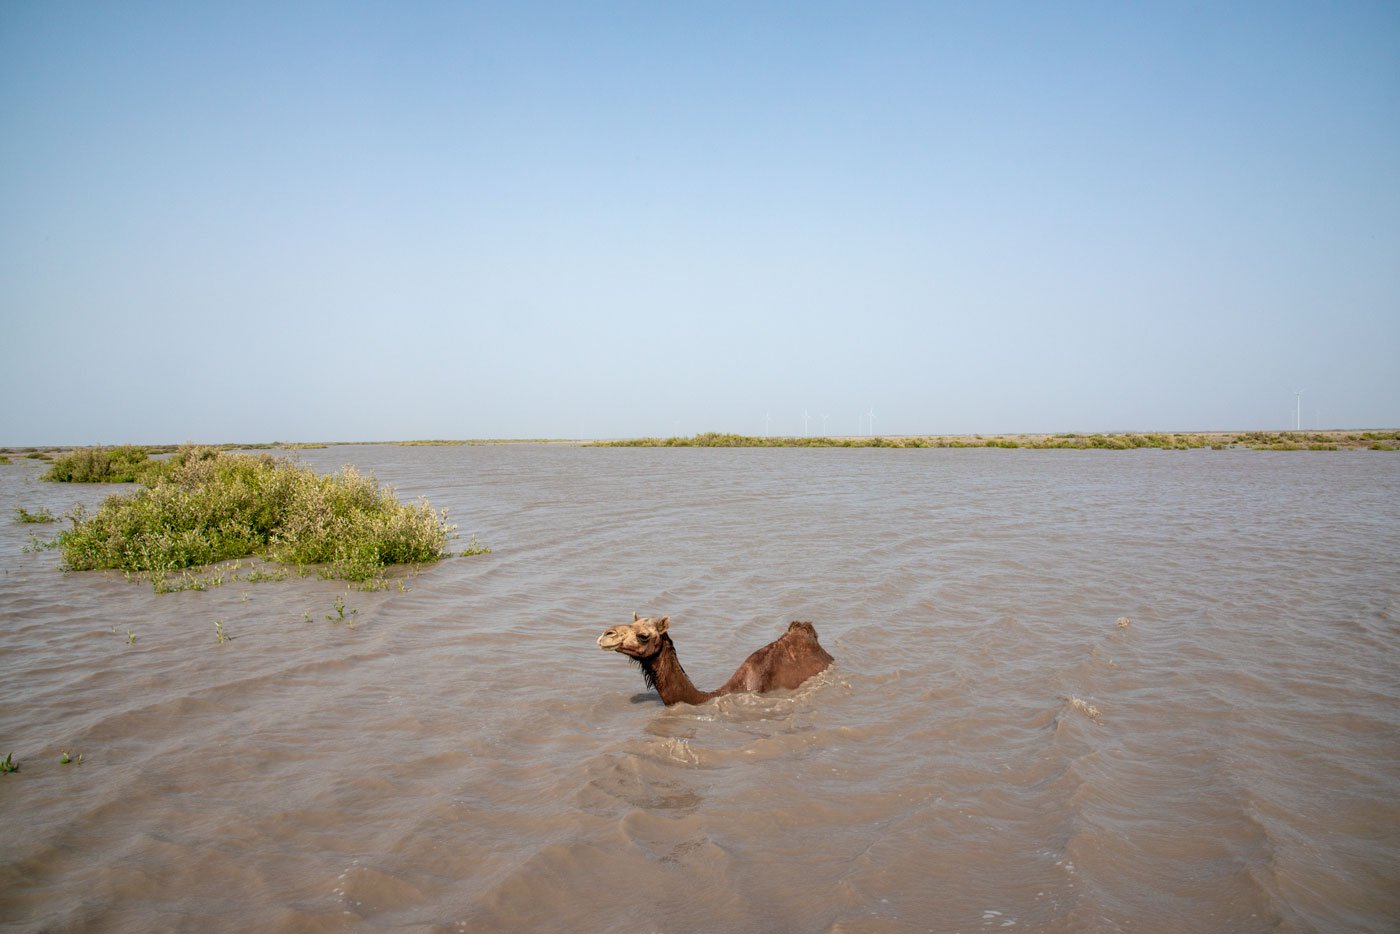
(372, 221)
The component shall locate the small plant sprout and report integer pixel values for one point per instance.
(65, 759)
(340, 615)
(475, 547)
(9, 765)
(306, 616)
(219, 632)
(131, 637)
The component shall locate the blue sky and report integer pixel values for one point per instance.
(361, 221)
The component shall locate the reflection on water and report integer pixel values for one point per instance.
(991, 750)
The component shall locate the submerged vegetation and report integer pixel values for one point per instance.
(1170, 441)
(340, 616)
(474, 548)
(37, 516)
(203, 506)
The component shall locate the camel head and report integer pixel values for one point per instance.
(640, 638)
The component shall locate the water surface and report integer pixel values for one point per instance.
(992, 750)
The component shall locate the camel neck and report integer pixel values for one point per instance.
(663, 671)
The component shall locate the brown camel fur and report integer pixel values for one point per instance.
(785, 662)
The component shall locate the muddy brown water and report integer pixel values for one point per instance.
(463, 757)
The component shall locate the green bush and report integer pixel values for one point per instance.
(123, 464)
(210, 506)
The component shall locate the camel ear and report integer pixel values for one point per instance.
(661, 624)
(635, 617)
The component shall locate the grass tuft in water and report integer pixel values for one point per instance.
(9, 765)
(210, 506)
(474, 548)
(340, 616)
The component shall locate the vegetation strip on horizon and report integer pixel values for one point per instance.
(1173, 441)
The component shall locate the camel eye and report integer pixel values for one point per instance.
(643, 636)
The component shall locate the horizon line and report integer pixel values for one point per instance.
(26, 448)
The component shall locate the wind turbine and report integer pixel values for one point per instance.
(1298, 415)
(767, 417)
(823, 424)
(871, 414)
(805, 420)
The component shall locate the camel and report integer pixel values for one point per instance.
(785, 662)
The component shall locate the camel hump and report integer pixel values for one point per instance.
(802, 626)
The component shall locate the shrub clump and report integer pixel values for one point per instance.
(209, 506)
(122, 464)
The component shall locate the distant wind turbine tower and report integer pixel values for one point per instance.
(806, 420)
(1298, 413)
(767, 418)
(871, 414)
(823, 424)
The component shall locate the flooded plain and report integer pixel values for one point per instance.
(993, 750)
